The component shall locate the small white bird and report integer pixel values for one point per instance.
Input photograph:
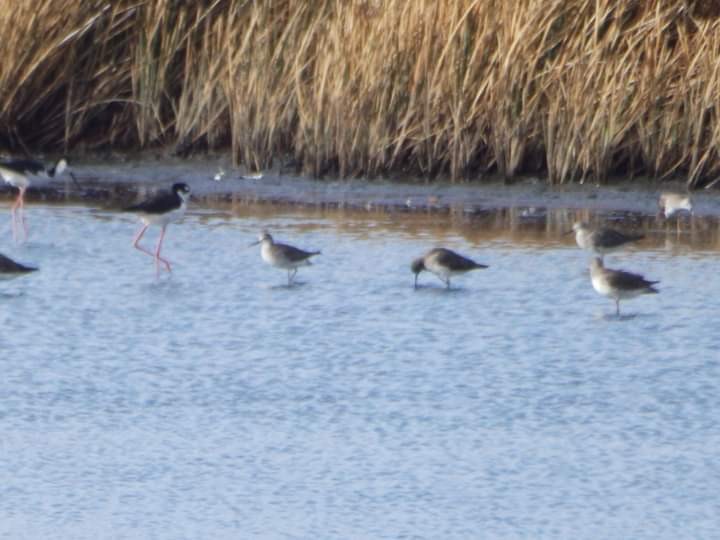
(283, 256)
(618, 284)
(671, 203)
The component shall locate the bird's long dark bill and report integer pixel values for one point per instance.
(568, 232)
(254, 243)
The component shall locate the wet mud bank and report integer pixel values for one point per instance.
(215, 182)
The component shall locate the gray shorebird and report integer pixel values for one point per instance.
(601, 240)
(162, 210)
(19, 173)
(444, 263)
(618, 284)
(283, 256)
(10, 269)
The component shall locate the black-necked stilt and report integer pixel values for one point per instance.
(18, 173)
(444, 263)
(601, 240)
(618, 284)
(10, 269)
(162, 209)
(283, 256)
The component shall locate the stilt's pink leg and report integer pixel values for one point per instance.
(136, 241)
(158, 258)
(22, 211)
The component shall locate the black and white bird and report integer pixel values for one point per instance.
(672, 204)
(19, 173)
(10, 269)
(618, 284)
(283, 256)
(163, 209)
(444, 263)
(601, 240)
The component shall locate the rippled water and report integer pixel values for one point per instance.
(219, 403)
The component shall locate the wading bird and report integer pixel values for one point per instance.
(162, 210)
(19, 173)
(444, 263)
(618, 284)
(601, 240)
(283, 256)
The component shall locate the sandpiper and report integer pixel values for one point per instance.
(618, 284)
(444, 263)
(18, 173)
(162, 209)
(10, 269)
(671, 203)
(282, 255)
(674, 204)
(601, 240)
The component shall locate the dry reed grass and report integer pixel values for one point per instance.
(574, 88)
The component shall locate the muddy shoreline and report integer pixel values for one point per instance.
(214, 181)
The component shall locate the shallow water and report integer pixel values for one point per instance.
(216, 402)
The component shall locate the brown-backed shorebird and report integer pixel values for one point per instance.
(18, 173)
(10, 269)
(162, 210)
(444, 263)
(618, 284)
(601, 240)
(283, 256)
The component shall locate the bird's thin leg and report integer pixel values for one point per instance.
(447, 283)
(617, 307)
(158, 258)
(136, 241)
(22, 211)
(291, 275)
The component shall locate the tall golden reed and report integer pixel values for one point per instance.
(573, 88)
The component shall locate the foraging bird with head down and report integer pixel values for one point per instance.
(444, 263)
(19, 173)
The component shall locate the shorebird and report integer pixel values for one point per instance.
(674, 204)
(618, 284)
(671, 203)
(10, 269)
(444, 263)
(162, 209)
(283, 256)
(601, 240)
(18, 173)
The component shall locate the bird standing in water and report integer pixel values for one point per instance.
(618, 284)
(601, 240)
(444, 263)
(283, 256)
(18, 173)
(162, 210)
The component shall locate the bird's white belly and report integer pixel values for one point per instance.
(603, 287)
(275, 258)
(164, 219)
(14, 179)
